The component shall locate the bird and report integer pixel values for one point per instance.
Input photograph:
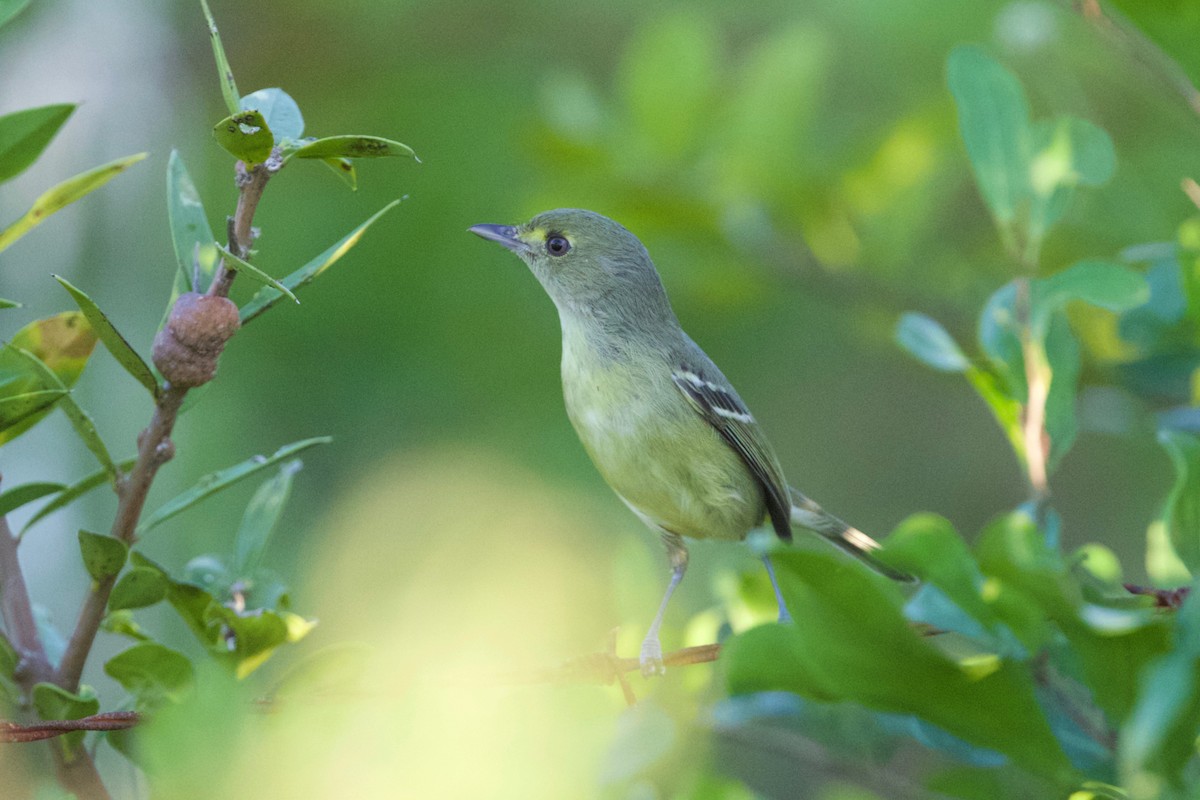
(664, 427)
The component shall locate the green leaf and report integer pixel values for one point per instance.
(353, 147)
(216, 481)
(929, 343)
(190, 233)
(47, 355)
(52, 702)
(668, 79)
(103, 556)
(266, 297)
(246, 135)
(279, 110)
(9, 304)
(262, 514)
(18, 496)
(25, 134)
(1066, 153)
(850, 617)
(1181, 511)
(344, 169)
(122, 623)
(1005, 409)
(74, 492)
(137, 588)
(1160, 732)
(81, 421)
(152, 673)
(10, 8)
(229, 88)
(120, 348)
(19, 412)
(10, 692)
(63, 194)
(254, 273)
(1113, 287)
(993, 118)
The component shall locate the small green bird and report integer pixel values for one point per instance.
(662, 424)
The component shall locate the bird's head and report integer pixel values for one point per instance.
(586, 262)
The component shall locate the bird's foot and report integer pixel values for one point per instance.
(784, 617)
(651, 658)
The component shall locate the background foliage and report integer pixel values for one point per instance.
(803, 177)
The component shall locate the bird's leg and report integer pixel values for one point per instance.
(784, 616)
(651, 658)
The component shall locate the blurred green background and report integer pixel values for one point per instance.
(796, 171)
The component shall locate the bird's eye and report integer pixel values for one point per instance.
(557, 245)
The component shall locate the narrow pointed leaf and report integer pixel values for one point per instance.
(279, 110)
(190, 232)
(63, 194)
(103, 556)
(216, 481)
(9, 303)
(229, 88)
(74, 492)
(47, 355)
(262, 514)
(25, 134)
(26, 493)
(17, 410)
(266, 297)
(254, 273)
(354, 147)
(120, 348)
(246, 135)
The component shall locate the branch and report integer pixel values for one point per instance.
(15, 732)
(33, 666)
(154, 444)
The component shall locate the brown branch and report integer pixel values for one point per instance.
(32, 667)
(15, 732)
(1163, 598)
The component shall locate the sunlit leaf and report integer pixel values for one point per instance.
(993, 118)
(254, 273)
(25, 134)
(229, 88)
(266, 297)
(103, 556)
(216, 481)
(353, 147)
(63, 194)
(246, 136)
(137, 588)
(926, 340)
(262, 515)
(117, 344)
(152, 673)
(279, 110)
(74, 492)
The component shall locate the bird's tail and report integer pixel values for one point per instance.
(807, 514)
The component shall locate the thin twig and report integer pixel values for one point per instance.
(11, 732)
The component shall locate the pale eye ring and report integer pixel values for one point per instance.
(557, 245)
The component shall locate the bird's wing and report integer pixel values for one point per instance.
(722, 409)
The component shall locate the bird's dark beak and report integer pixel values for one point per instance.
(505, 235)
